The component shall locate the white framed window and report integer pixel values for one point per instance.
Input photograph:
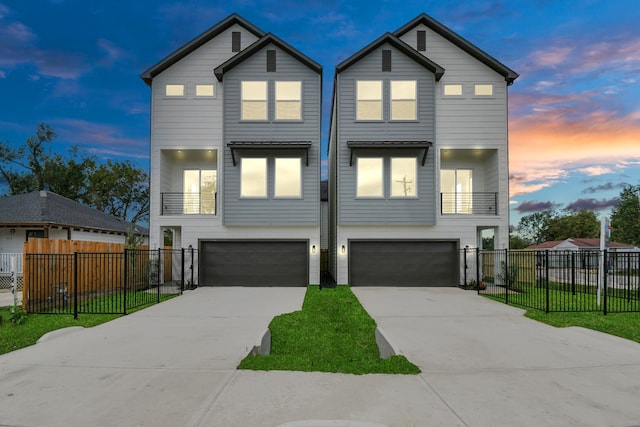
(288, 100)
(403, 100)
(253, 177)
(483, 90)
(453, 89)
(205, 90)
(369, 100)
(254, 100)
(456, 186)
(370, 177)
(199, 187)
(174, 90)
(288, 177)
(404, 177)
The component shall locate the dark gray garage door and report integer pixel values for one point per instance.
(403, 263)
(254, 263)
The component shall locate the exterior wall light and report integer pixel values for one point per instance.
(313, 249)
(343, 250)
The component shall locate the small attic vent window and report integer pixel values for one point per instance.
(386, 60)
(271, 61)
(422, 41)
(235, 41)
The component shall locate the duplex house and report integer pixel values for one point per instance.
(235, 156)
(418, 159)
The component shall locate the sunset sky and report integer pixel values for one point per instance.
(574, 112)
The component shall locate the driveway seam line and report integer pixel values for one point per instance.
(443, 401)
(205, 413)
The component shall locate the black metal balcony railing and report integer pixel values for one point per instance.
(189, 203)
(469, 203)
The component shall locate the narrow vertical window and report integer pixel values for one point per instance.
(369, 100)
(254, 100)
(403, 100)
(199, 189)
(370, 180)
(288, 100)
(288, 177)
(386, 60)
(421, 42)
(456, 186)
(271, 61)
(403, 177)
(253, 177)
(235, 41)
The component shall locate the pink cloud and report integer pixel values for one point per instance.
(97, 137)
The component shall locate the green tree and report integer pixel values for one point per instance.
(534, 227)
(119, 189)
(582, 223)
(517, 242)
(625, 217)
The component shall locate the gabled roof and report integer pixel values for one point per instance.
(258, 45)
(580, 243)
(398, 44)
(200, 40)
(44, 208)
(471, 49)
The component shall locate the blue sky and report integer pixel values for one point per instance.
(574, 112)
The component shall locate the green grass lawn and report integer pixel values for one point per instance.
(14, 337)
(332, 333)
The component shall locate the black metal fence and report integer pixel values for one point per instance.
(105, 283)
(560, 281)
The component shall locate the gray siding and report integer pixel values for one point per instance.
(420, 210)
(270, 211)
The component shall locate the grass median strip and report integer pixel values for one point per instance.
(332, 333)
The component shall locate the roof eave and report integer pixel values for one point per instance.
(148, 75)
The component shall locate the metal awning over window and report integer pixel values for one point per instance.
(353, 145)
(271, 145)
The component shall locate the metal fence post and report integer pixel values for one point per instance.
(158, 272)
(465, 266)
(125, 279)
(181, 271)
(193, 284)
(478, 268)
(546, 279)
(604, 282)
(573, 273)
(75, 285)
(506, 275)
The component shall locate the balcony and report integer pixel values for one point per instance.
(189, 203)
(469, 203)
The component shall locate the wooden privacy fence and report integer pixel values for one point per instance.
(54, 268)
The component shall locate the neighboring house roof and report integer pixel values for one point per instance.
(194, 44)
(398, 44)
(580, 243)
(44, 208)
(471, 49)
(258, 45)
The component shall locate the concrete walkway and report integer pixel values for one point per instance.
(174, 365)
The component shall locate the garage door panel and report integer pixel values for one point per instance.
(254, 263)
(403, 263)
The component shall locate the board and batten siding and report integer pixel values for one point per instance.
(272, 211)
(399, 211)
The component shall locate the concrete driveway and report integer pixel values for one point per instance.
(174, 365)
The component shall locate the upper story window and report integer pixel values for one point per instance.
(369, 100)
(456, 186)
(174, 90)
(288, 177)
(254, 100)
(205, 90)
(288, 100)
(199, 187)
(403, 100)
(453, 89)
(403, 176)
(483, 90)
(253, 177)
(370, 177)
